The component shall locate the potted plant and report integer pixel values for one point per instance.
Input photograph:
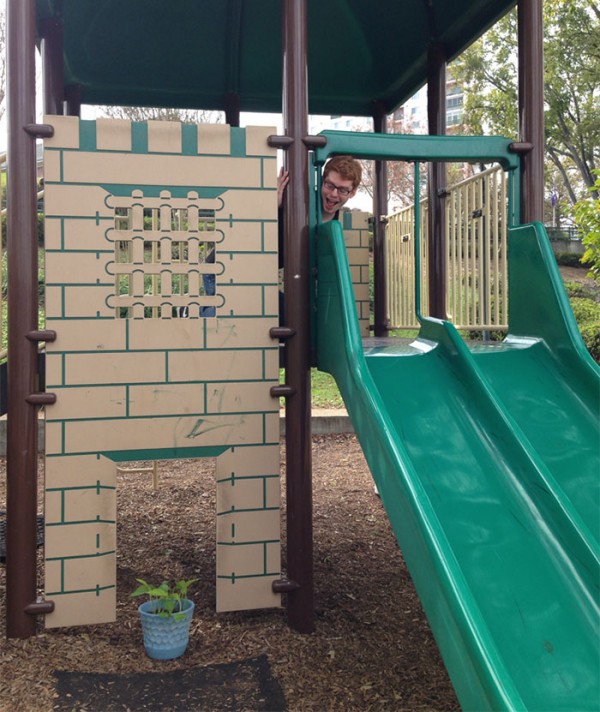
(165, 617)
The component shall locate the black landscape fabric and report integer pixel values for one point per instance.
(244, 685)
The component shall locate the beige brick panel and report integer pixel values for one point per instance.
(239, 237)
(83, 369)
(80, 471)
(249, 269)
(85, 234)
(53, 437)
(246, 594)
(150, 433)
(89, 504)
(354, 273)
(66, 131)
(166, 334)
(54, 371)
(241, 397)
(80, 539)
(359, 220)
(88, 302)
(250, 204)
(249, 526)
(52, 166)
(113, 134)
(242, 560)
(76, 200)
(248, 493)
(87, 334)
(88, 402)
(256, 141)
(214, 366)
(241, 333)
(214, 138)
(52, 234)
(361, 292)
(166, 399)
(83, 574)
(248, 461)
(54, 301)
(246, 301)
(358, 255)
(83, 609)
(272, 427)
(351, 239)
(77, 268)
(164, 136)
(272, 299)
(140, 169)
(271, 240)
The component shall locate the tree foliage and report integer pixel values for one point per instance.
(144, 113)
(488, 72)
(587, 217)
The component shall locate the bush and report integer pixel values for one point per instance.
(568, 259)
(587, 216)
(585, 291)
(587, 314)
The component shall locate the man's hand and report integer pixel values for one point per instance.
(282, 180)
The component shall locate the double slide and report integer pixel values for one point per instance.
(487, 460)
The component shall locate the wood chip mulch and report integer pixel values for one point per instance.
(372, 648)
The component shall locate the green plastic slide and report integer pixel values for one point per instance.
(488, 465)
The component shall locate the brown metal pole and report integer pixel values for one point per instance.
(436, 114)
(73, 100)
(297, 316)
(22, 319)
(232, 109)
(531, 108)
(380, 210)
(52, 66)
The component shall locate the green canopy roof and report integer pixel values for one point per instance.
(192, 53)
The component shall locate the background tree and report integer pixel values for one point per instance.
(587, 217)
(488, 73)
(144, 113)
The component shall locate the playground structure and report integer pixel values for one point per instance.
(459, 503)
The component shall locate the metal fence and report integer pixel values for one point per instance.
(476, 245)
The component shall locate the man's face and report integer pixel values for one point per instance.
(335, 192)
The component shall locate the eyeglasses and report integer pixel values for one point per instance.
(331, 187)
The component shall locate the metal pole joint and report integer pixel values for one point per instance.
(282, 391)
(39, 607)
(284, 585)
(42, 335)
(283, 142)
(39, 130)
(314, 141)
(282, 332)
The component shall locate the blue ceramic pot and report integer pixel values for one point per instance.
(165, 638)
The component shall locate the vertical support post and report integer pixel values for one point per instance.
(52, 66)
(73, 100)
(531, 107)
(232, 109)
(22, 318)
(380, 210)
(297, 316)
(436, 114)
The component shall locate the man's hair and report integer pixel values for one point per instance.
(347, 167)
